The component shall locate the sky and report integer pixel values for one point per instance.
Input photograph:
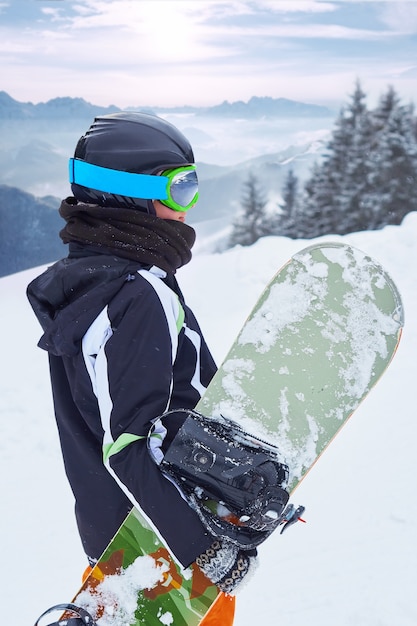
(202, 52)
(352, 564)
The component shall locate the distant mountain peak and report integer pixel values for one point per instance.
(64, 106)
(266, 106)
(60, 107)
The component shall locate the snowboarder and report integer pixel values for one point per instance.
(124, 348)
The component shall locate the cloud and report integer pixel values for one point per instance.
(197, 51)
(400, 16)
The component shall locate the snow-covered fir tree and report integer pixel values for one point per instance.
(315, 214)
(368, 173)
(351, 214)
(332, 195)
(365, 180)
(283, 223)
(393, 172)
(253, 222)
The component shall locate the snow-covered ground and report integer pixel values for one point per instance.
(352, 564)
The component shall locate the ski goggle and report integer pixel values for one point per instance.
(176, 188)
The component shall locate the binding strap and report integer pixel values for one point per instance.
(82, 618)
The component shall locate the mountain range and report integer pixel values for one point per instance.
(66, 108)
(29, 230)
(29, 225)
(229, 144)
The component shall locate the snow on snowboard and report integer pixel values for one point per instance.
(318, 339)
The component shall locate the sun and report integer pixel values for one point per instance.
(169, 28)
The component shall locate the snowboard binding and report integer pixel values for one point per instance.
(234, 480)
(79, 616)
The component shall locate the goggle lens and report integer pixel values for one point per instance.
(182, 188)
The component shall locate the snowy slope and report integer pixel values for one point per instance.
(353, 563)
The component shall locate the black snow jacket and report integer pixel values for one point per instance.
(123, 349)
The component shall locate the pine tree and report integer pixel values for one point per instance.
(388, 102)
(332, 195)
(314, 216)
(253, 223)
(352, 214)
(284, 223)
(348, 164)
(368, 174)
(394, 173)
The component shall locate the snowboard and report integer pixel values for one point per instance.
(317, 341)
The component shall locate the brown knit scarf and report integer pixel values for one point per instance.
(130, 234)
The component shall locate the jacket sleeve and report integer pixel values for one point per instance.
(129, 352)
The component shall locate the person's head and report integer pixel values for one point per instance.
(136, 161)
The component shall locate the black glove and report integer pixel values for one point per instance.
(214, 460)
(226, 565)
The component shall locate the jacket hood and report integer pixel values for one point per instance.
(70, 294)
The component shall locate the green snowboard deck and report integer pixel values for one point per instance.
(319, 338)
